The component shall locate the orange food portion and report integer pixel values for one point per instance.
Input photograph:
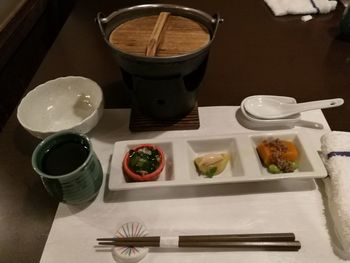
(267, 151)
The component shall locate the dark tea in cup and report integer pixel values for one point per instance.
(68, 167)
(64, 157)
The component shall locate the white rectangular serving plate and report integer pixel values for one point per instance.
(244, 164)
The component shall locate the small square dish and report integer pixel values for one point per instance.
(243, 162)
(118, 180)
(307, 162)
(202, 148)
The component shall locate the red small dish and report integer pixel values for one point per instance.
(148, 177)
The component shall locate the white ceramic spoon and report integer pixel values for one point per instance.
(254, 123)
(265, 107)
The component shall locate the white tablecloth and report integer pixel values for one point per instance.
(275, 206)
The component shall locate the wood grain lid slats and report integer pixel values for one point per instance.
(181, 36)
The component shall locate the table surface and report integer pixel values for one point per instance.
(203, 209)
(253, 53)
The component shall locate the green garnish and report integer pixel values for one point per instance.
(211, 172)
(144, 161)
(295, 165)
(272, 168)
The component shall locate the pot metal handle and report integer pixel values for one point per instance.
(100, 19)
(217, 19)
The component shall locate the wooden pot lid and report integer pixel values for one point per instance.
(177, 35)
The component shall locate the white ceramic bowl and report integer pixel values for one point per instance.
(68, 103)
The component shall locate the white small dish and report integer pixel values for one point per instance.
(64, 104)
(130, 254)
(252, 122)
(244, 164)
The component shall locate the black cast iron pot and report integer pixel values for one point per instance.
(162, 87)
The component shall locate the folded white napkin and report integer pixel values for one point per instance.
(335, 147)
(300, 7)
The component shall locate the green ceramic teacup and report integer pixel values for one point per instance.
(68, 167)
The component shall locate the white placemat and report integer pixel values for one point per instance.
(279, 206)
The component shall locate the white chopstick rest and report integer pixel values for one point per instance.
(130, 254)
(169, 242)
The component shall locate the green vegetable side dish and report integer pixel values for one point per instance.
(211, 164)
(144, 160)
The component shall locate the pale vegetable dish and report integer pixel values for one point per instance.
(278, 156)
(211, 164)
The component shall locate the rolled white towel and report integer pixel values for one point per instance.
(300, 7)
(335, 147)
(345, 2)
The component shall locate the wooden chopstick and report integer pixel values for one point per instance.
(276, 245)
(265, 241)
(155, 38)
(217, 238)
(266, 245)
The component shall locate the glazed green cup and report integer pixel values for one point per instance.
(68, 167)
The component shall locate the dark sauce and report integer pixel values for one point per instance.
(64, 158)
